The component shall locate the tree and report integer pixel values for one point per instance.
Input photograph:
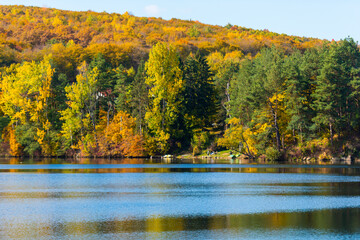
(269, 81)
(225, 71)
(124, 78)
(198, 108)
(119, 138)
(165, 80)
(24, 99)
(239, 139)
(198, 93)
(79, 127)
(139, 97)
(336, 87)
(258, 96)
(300, 74)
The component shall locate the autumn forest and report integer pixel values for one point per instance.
(116, 85)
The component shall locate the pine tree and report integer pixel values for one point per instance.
(199, 93)
(139, 97)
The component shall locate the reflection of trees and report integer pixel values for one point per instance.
(175, 165)
(194, 168)
(336, 221)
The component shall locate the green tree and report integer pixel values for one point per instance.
(79, 127)
(199, 93)
(300, 74)
(226, 73)
(335, 88)
(139, 97)
(243, 93)
(124, 78)
(269, 82)
(258, 97)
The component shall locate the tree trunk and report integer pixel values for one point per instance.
(227, 92)
(108, 116)
(294, 137)
(331, 133)
(163, 117)
(248, 149)
(276, 126)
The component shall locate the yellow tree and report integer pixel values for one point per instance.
(119, 138)
(239, 139)
(24, 99)
(165, 81)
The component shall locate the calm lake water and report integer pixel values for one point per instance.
(179, 199)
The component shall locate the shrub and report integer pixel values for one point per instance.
(272, 154)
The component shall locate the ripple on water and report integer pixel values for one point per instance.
(209, 203)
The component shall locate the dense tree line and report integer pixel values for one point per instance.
(107, 111)
(280, 102)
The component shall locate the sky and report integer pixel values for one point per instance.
(324, 19)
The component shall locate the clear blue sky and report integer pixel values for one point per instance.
(325, 19)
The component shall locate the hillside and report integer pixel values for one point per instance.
(27, 32)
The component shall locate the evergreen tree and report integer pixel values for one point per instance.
(222, 81)
(199, 93)
(333, 95)
(299, 83)
(268, 88)
(139, 97)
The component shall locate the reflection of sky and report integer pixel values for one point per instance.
(68, 203)
(79, 196)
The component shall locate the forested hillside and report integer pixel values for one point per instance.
(100, 84)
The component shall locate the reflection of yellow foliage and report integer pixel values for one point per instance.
(15, 147)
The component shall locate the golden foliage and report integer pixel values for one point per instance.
(239, 139)
(40, 26)
(118, 137)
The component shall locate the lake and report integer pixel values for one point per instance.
(177, 199)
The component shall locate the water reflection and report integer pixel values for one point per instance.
(178, 169)
(328, 223)
(154, 161)
(188, 200)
